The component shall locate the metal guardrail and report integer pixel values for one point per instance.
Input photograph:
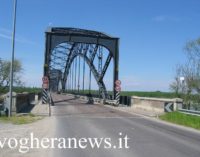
(191, 112)
(124, 100)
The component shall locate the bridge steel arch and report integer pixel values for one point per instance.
(80, 41)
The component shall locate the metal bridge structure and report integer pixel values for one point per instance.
(67, 53)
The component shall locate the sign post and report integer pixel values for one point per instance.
(12, 59)
(168, 107)
(45, 87)
(117, 89)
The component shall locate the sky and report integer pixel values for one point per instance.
(152, 34)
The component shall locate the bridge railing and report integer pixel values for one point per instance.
(21, 101)
(124, 100)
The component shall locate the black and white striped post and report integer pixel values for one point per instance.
(117, 98)
(44, 96)
(45, 87)
(118, 89)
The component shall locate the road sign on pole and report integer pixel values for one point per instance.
(45, 86)
(117, 82)
(118, 85)
(45, 80)
(169, 106)
(13, 56)
(118, 88)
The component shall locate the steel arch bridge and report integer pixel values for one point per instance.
(63, 49)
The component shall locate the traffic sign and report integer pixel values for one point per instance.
(45, 80)
(118, 88)
(45, 85)
(118, 82)
(169, 107)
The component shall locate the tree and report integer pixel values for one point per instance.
(175, 86)
(5, 73)
(193, 66)
(190, 71)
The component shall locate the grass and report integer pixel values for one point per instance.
(182, 119)
(20, 119)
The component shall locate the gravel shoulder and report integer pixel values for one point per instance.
(40, 129)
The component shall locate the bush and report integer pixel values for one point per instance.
(21, 90)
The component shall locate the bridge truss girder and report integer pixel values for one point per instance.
(83, 43)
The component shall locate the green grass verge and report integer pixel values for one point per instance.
(182, 119)
(21, 119)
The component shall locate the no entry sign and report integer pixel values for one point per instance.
(118, 85)
(45, 86)
(118, 89)
(45, 80)
(117, 82)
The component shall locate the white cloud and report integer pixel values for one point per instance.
(7, 34)
(159, 18)
(163, 18)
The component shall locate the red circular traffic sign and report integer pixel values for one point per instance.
(118, 88)
(118, 82)
(45, 86)
(45, 80)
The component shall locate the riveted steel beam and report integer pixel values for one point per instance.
(79, 42)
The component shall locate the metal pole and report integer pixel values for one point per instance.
(83, 74)
(50, 103)
(12, 59)
(75, 73)
(70, 79)
(71, 84)
(90, 75)
(79, 66)
(72, 76)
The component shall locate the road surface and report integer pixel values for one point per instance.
(146, 138)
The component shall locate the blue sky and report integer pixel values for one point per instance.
(152, 34)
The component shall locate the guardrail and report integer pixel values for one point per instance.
(191, 112)
(124, 100)
(21, 101)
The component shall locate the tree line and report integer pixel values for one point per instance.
(5, 74)
(186, 82)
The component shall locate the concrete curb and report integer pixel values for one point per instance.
(41, 109)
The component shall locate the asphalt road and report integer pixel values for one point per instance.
(147, 138)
